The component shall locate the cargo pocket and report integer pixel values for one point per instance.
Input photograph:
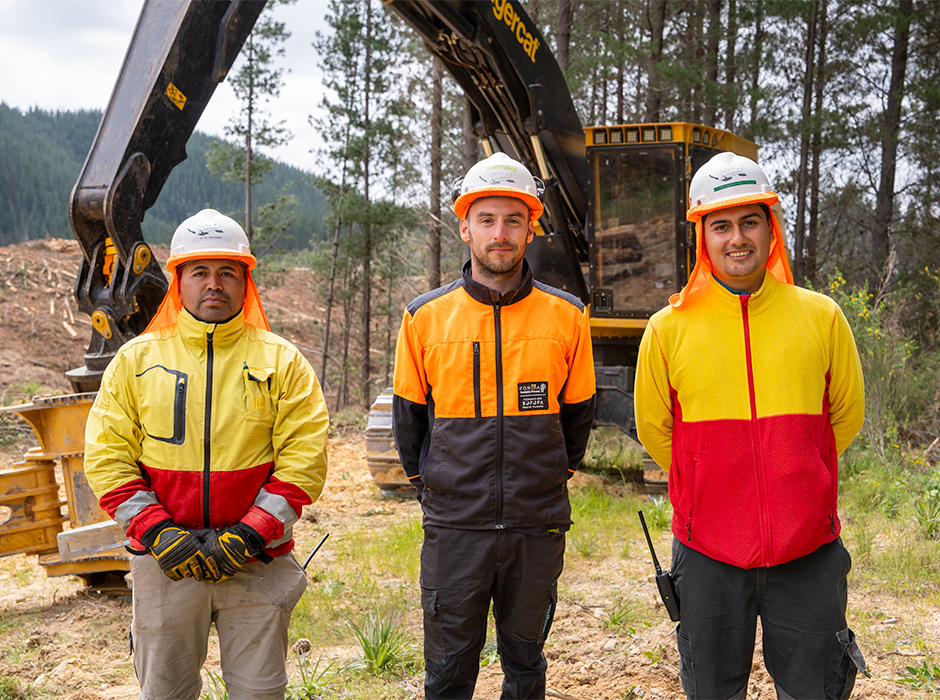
(433, 626)
(548, 615)
(847, 660)
(686, 666)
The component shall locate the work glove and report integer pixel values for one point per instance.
(179, 553)
(231, 547)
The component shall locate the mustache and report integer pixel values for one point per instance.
(504, 244)
(214, 295)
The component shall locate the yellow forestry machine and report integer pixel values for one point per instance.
(613, 233)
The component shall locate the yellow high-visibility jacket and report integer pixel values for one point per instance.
(748, 401)
(494, 402)
(208, 425)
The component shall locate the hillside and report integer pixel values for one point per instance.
(41, 157)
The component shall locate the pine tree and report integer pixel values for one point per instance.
(255, 83)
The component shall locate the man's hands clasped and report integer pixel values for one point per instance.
(231, 547)
(205, 555)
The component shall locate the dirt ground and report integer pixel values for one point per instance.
(67, 642)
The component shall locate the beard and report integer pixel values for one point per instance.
(498, 265)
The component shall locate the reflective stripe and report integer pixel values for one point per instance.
(276, 506)
(133, 506)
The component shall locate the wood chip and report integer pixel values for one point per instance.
(71, 330)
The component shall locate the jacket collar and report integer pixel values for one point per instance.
(718, 297)
(195, 331)
(485, 295)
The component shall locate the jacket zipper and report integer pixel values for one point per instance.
(499, 419)
(179, 412)
(766, 535)
(477, 407)
(207, 431)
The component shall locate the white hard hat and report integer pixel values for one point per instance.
(498, 176)
(209, 235)
(728, 180)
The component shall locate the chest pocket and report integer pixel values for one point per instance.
(168, 389)
(259, 401)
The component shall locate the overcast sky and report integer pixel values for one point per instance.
(66, 55)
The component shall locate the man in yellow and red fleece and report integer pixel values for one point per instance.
(205, 442)
(748, 389)
(494, 402)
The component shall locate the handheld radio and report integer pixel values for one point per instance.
(667, 587)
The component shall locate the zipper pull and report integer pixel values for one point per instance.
(688, 530)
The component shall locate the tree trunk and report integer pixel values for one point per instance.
(710, 91)
(806, 118)
(695, 56)
(342, 396)
(563, 21)
(334, 255)
(365, 386)
(884, 202)
(755, 64)
(595, 78)
(811, 266)
(437, 130)
(249, 110)
(731, 66)
(620, 68)
(654, 84)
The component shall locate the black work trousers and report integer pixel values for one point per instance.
(461, 572)
(808, 650)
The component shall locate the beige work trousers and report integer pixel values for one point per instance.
(251, 612)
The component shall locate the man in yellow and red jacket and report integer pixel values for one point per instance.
(494, 402)
(748, 389)
(206, 440)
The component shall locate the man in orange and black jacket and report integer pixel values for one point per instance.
(494, 402)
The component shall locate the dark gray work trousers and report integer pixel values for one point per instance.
(461, 572)
(808, 650)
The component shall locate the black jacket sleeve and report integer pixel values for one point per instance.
(410, 427)
(576, 422)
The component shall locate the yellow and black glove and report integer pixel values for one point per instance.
(231, 547)
(179, 553)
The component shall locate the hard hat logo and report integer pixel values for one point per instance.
(206, 231)
(728, 176)
(493, 181)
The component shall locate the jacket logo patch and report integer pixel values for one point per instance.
(533, 396)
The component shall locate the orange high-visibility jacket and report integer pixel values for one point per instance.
(494, 402)
(208, 425)
(748, 401)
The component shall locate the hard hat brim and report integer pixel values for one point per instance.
(462, 205)
(174, 261)
(696, 213)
